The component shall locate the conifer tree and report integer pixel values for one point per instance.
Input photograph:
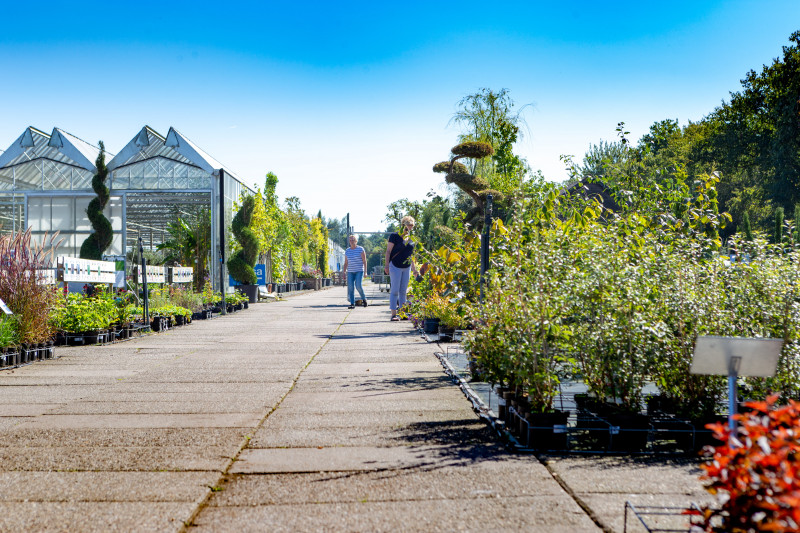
(241, 266)
(748, 232)
(97, 243)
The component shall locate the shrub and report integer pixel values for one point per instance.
(8, 331)
(77, 313)
(21, 288)
(186, 298)
(755, 474)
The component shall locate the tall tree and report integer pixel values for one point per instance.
(759, 129)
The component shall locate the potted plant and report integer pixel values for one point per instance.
(312, 277)
(8, 340)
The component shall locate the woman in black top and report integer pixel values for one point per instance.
(399, 261)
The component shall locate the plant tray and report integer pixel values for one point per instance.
(586, 431)
(657, 519)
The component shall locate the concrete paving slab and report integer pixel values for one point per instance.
(424, 368)
(373, 404)
(282, 419)
(229, 405)
(362, 458)
(117, 458)
(132, 437)
(218, 420)
(497, 480)
(461, 431)
(612, 474)
(532, 513)
(374, 383)
(27, 409)
(90, 517)
(194, 388)
(264, 376)
(105, 486)
(260, 395)
(610, 510)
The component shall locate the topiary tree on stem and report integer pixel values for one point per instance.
(241, 265)
(97, 243)
(458, 174)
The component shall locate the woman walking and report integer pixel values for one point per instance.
(399, 261)
(355, 261)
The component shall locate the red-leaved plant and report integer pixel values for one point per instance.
(756, 474)
(21, 284)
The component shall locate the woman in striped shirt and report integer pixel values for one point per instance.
(355, 261)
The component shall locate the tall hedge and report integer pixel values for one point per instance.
(97, 243)
(241, 265)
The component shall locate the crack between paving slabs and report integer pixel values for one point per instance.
(488, 418)
(246, 441)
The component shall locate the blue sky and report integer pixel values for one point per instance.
(349, 103)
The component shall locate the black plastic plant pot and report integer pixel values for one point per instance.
(431, 325)
(629, 432)
(446, 334)
(93, 337)
(76, 339)
(547, 431)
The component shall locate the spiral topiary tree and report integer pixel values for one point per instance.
(241, 265)
(97, 243)
(458, 174)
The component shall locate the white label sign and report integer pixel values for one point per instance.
(155, 274)
(86, 270)
(182, 274)
(5, 308)
(47, 276)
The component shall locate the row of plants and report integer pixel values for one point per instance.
(42, 313)
(615, 300)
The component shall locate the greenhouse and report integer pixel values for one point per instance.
(46, 184)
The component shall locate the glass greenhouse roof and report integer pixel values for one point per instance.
(38, 161)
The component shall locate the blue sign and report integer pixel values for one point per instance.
(261, 275)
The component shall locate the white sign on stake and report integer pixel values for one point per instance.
(86, 270)
(155, 274)
(5, 308)
(182, 274)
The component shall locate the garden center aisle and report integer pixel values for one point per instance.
(295, 415)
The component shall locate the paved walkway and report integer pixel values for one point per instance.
(298, 415)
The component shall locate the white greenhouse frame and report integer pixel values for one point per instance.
(46, 185)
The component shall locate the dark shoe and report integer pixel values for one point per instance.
(363, 303)
(351, 306)
(394, 319)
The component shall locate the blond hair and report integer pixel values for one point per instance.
(408, 219)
